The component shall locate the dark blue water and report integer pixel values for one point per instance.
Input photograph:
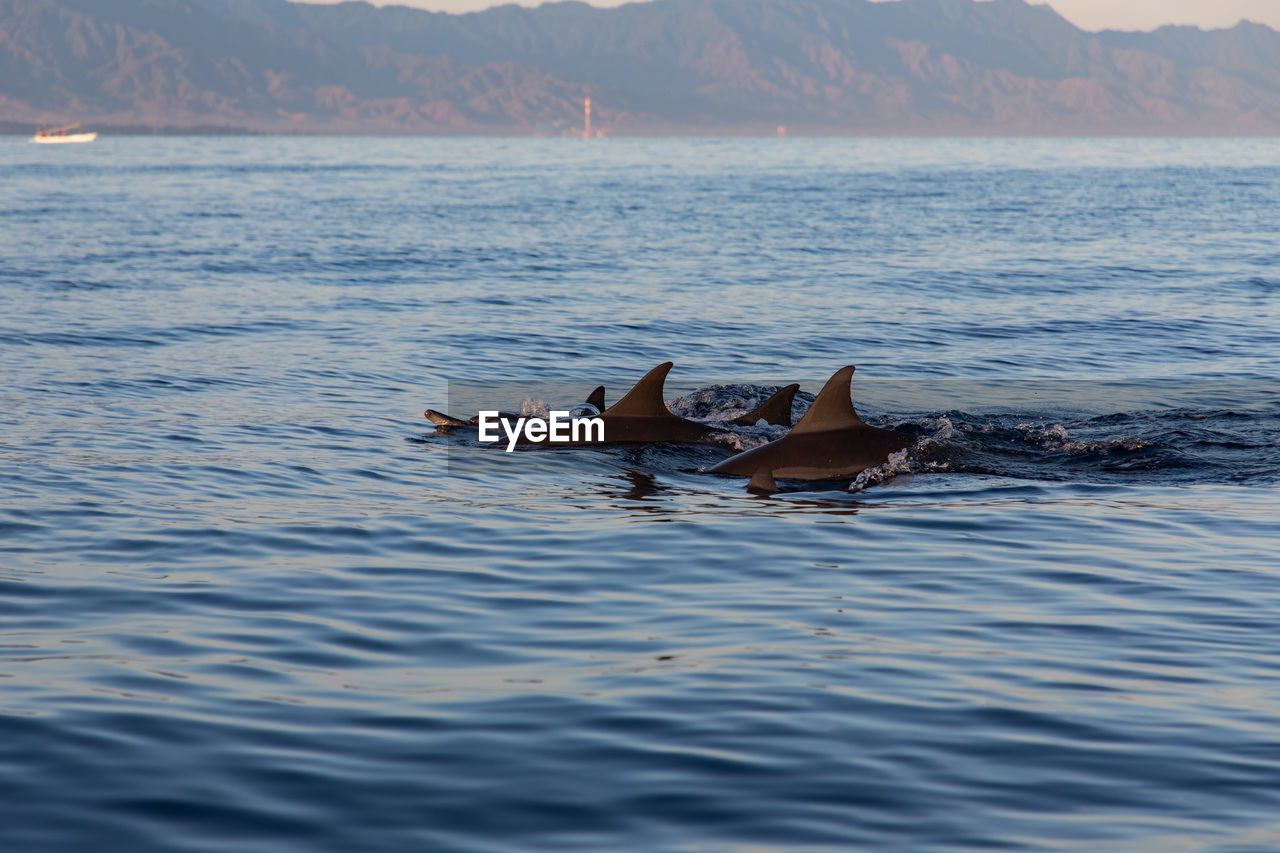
(250, 600)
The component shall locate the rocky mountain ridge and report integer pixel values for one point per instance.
(668, 66)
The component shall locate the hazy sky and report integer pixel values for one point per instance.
(1089, 14)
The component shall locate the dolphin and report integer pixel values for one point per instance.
(830, 443)
(448, 422)
(443, 421)
(642, 416)
(595, 398)
(776, 410)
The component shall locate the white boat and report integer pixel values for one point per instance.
(66, 133)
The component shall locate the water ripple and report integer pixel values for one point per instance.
(250, 599)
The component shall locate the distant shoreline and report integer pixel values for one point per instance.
(25, 131)
(678, 68)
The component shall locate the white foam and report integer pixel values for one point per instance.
(532, 407)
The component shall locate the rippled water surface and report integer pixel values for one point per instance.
(250, 599)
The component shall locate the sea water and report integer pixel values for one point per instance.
(250, 599)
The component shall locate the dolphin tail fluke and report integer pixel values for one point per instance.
(832, 409)
(645, 399)
(762, 481)
(596, 398)
(776, 410)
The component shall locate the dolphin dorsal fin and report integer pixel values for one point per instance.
(776, 410)
(832, 409)
(645, 399)
(596, 398)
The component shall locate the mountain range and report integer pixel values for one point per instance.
(667, 66)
